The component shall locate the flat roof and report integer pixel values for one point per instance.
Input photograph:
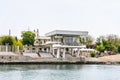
(67, 32)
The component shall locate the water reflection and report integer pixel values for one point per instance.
(38, 67)
(59, 72)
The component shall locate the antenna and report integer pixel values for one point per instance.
(9, 32)
(37, 32)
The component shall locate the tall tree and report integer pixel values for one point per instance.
(7, 40)
(28, 38)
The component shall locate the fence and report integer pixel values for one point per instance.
(7, 48)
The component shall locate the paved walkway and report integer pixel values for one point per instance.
(111, 58)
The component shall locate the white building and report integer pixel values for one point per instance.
(58, 41)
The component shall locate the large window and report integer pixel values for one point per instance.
(71, 41)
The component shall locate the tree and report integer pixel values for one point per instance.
(87, 41)
(28, 38)
(7, 40)
(119, 48)
(19, 43)
(110, 42)
(82, 40)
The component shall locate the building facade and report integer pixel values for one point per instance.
(61, 37)
(66, 37)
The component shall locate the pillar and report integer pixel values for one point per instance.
(64, 53)
(72, 53)
(6, 48)
(50, 49)
(47, 50)
(37, 49)
(58, 53)
(53, 52)
(78, 53)
(42, 49)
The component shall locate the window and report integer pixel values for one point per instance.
(70, 40)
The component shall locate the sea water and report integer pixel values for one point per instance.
(60, 72)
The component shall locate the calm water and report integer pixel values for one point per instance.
(59, 72)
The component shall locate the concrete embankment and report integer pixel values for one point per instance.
(11, 58)
(55, 61)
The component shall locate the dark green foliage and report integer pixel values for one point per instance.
(100, 48)
(28, 38)
(93, 54)
(110, 43)
(7, 40)
(119, 48)
(12, 41)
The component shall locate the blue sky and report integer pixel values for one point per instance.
(99, 17)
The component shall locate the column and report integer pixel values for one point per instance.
(46, 50)
(72, 51)
(6, 48)
(35, 50)
(53, 52)
(50, 49)
(58, 53)
(64, 53)
(78, 53)
(42, 49)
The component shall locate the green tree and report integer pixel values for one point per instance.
(119, 48)
(19, 43)
(110, 42)
(9, 40)
(82, 40)
(28, 38)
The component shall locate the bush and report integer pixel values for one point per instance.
(93, 54)
(119, 48)
(100, 48)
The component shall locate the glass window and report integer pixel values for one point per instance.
(71, 40)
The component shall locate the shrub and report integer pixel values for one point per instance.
(100, 48)
(119, 48)
(93, 54)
